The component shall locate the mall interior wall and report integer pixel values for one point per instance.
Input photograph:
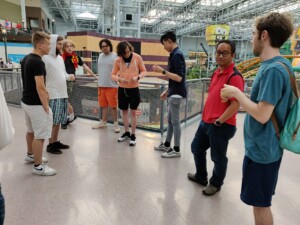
(10, 11)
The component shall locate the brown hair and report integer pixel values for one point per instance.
(121, 47)
(278, 25)
(39, 37)
(59, 38)
(67, 41)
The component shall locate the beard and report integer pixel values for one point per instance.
(256, 52)
(57, 52)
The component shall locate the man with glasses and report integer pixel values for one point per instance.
(218, 124)
(107, 88)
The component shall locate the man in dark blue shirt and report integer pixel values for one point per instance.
(175, 93)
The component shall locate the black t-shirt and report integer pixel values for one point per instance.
(32, 65)
(70, 68)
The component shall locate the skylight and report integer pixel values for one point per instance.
(176, 1)
(86, 15)
(86, 11)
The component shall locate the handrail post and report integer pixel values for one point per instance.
(162, 113)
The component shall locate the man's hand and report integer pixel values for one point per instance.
(134, 79)
(72, 77)
(228, 92)
(164, 95)
(122, 80)
(47, 110)
(157, 68)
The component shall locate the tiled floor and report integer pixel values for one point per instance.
(102, 182)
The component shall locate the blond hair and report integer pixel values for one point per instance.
(67, 41)
(39, 37)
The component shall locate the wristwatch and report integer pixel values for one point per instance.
(218, 123)
(164, 72)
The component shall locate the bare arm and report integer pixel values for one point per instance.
(88, 70)
(231, 109)
(260, 111)
(168, 74)
(42, 92)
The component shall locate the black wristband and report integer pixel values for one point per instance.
(218, 123)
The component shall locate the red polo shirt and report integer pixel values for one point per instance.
(214, 107)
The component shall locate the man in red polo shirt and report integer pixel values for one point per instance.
(218, 124)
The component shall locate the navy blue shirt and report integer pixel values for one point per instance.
(176, 64)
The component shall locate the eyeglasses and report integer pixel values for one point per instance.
(224, 54)
(104, 46)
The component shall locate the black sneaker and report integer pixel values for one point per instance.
(51, 148)
(125, 136)
(132, 140)
(64, 126)
(60, 145)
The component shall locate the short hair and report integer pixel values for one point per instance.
(279, 26)
(68, 41)
(59, 38)
(169, 35)
(108, 42)
(121, 47)
(232, 45)
(39, 37)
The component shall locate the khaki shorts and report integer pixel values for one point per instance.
(38, 121)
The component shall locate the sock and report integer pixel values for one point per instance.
(176, 148)
(167, 144)
(37, 165)
(71, 116)
(30, 155)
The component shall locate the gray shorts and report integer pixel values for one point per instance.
(38, 121)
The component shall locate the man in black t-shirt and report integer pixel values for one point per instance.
(35, 100)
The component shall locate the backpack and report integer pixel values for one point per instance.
(289, 138)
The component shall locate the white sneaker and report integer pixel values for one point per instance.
(162, 147)
(43, 170)
(116, 127)
(132, 140)
(30, 159)
(98, 125)
(171, 154)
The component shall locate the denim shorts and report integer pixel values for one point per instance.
(259, 182)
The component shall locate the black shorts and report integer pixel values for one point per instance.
(128, 97)
(259, 182)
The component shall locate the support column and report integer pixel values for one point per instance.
(139, 19)
(23, 13)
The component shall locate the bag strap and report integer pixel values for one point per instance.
(296, 92)
(235, 73)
